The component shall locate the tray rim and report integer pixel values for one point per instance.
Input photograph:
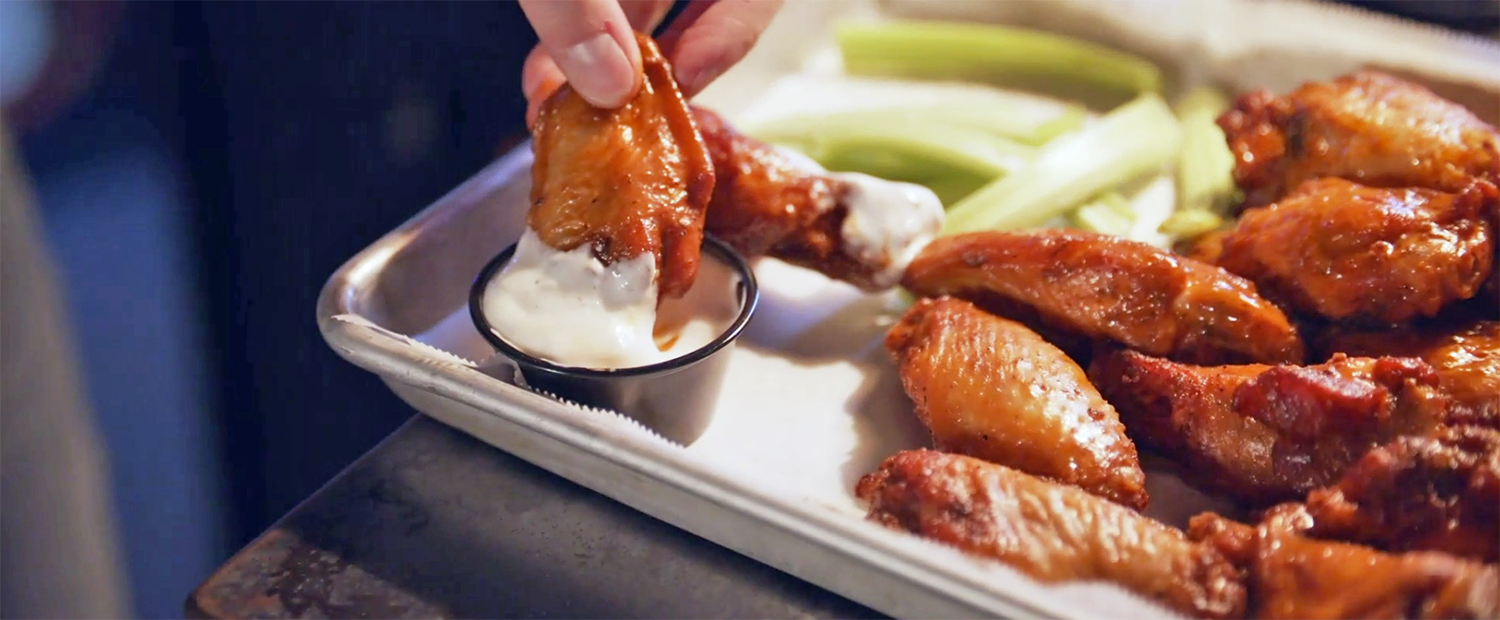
(903, 562)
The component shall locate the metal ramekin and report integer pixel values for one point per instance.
(674, 398)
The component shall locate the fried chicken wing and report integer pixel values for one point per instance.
(770, 202)
(626, 181)
(1348, 252)
(1053, 533)
(1293, 577)
(990, 388)
(1466, 358)
(1106, 287)
(1263, 434)
(1430, 493)
(1367, 127)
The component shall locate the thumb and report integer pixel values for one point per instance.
(592, 43)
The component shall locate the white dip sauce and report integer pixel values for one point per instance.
(888, 223)
(572, 310)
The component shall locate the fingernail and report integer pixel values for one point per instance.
(599, 70)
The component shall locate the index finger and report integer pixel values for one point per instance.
(592, 43)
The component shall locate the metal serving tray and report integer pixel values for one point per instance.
(810, 403)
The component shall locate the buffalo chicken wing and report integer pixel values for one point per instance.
(770, 202)
(1367, 127)
(1466, 358)
(1051, 532)
(1348, 252)
(1108, 288)
(1293, 577)
(626, 181)
(1263, 434)
(990, 388)
(1430, 493)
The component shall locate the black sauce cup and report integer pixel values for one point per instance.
(674, 398)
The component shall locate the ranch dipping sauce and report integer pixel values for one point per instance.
(888, 222)
(572, 310)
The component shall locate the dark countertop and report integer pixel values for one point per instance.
(434, 523)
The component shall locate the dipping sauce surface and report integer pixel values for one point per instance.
(571, 310)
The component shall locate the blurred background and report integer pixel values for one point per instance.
(200, 169)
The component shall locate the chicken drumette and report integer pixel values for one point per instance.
(1343, 251)
(1367, 127)
(1263, 434)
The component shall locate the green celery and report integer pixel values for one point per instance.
(1027, 123)
(1110, 214)
(1186, 224)
(1005, 56)
(1136, 139)
(1205, 166)
(941, 144)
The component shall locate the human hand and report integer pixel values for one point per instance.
(590, 44)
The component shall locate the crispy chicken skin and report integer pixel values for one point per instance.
(1432, 493)
(1293, 577)
(769, 203)
(1367, 127)
(1049, 531)
(626, 181)
(1105, 287)
(990, 388)
(1466, 358)
(1263, 434)
(1348, 252)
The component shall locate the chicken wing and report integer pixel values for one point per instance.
(1263, 434)
(1053, 533)
(990, 388)
(1349, 252)
(1293, 577)
(1367, 127)
(1105, 287)
(626, 181)
(1466, 358)
(770, 202)
(1431, 493)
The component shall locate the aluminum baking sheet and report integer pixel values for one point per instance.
(811, 402)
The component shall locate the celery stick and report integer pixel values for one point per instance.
(1110, 214)
(1136, 139)
(1205, 166)
(1004, 56)
(950, 184)
(1186, 224)
(952, 189)
(1032, 125)
(947, 144)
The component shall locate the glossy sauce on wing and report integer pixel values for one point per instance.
(991, 388)
(1104, 287)
(1345, 251)
(1367, 127)
(627, 181)
(1051, 532)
